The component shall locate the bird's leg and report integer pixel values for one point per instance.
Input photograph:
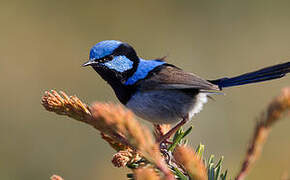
(173, 130)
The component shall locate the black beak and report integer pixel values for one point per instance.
(89, 63)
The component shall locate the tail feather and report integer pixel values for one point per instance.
(265, 74)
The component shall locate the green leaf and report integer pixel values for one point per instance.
(178, 132)
(210, 171)
(185, 141)
(217, 172)
(210, 160)
(200, 150)
(179, 174)
(179, 135)
(219, 162)
(133, 166)
(187, 131)
(224, 175)
(130, 176)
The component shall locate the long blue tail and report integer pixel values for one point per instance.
(265, 74)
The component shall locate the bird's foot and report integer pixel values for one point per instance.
(165, 137)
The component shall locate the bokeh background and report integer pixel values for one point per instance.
(44, 42)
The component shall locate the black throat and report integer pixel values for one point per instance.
(115, 80)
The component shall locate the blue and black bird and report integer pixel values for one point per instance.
(161, 92)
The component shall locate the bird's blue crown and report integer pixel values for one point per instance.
(104, 48)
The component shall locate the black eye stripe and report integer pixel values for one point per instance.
(105, 59)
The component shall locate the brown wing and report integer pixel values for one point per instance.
(170, 77)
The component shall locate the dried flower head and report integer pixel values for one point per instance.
(64, 105)
(113, 119)
(122, 158)
(116, 124)
(146, 173)
(56, 177)
(192, 163)
(116, 121)
(277, 107)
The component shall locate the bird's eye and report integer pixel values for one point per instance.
(107, 58)
(111, 57)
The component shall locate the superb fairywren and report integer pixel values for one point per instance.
(158, 91)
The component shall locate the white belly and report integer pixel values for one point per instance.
(166, 106)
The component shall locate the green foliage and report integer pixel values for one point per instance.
(214, 170)
(178, 137)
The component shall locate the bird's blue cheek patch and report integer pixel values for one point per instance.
(144, 67)
(120, 64)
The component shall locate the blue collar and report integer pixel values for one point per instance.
(144, 67)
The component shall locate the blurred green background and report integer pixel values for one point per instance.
(43, 44)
